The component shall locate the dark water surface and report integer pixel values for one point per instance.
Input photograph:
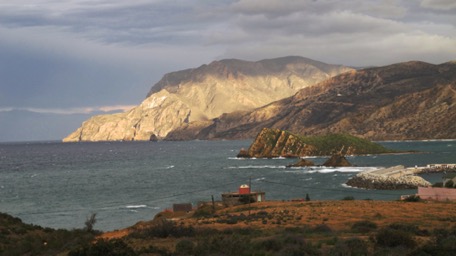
(59, 185)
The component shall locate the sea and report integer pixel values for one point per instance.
(59, 185)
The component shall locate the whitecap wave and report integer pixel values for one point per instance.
(310, 170)
(258, 167)
(136, 206)
(237, 158)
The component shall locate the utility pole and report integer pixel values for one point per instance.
(250, 192)
(213, 205)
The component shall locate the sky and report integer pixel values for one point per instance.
(92, 56)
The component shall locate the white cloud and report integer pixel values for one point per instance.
(70, 111)
(444, 5)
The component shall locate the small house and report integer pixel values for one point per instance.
(243, 196)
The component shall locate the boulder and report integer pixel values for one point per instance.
(302, 163)
(337, 161)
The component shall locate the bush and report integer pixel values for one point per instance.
(409, 228)
(364, 226)
(350, 247)
(295, 246)
(388, 237)
(115, 247)
(90, 222)
(185, 247)
(165, 228)
(348, 198)
(449, 184)
(413, 198)
(204, 211)
(271, 244)
(322, 228)
(223, 245)
(438, 185)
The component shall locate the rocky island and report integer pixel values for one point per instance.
(271, 143)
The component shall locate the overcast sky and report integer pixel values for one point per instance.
(79, 56)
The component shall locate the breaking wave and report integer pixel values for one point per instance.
(136, 206)
(330, 169)
(258, 167)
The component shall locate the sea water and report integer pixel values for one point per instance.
(60, 185)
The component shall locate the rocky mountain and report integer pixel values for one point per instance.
(278, 143)
(412, 100)
(197, 96)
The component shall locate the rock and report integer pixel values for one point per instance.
(302, 163)
(369, 180)
(337, 161)
(243, 153)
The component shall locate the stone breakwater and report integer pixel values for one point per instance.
(397, 177)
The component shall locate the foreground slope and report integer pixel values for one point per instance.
(412, 100)
(201, 94)
(347, 227)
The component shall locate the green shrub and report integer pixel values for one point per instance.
(388, 237)
(322, 228)
(449, 184)
(203, 211)
(413, 198)
(350, 247)
(364, 226)
(185, 247)
(114, 247)
(438, 185)
(348, 198)
(271, 244)
(410, 228)
(164, 228)
(223, 245)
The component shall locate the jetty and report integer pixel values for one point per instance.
(396, 177)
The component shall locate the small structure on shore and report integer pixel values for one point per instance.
(243, 196)
(438, 194)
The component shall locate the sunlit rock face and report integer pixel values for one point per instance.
(196, 96)
(410, 100)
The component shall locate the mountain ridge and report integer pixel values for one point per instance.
(410, 100)
(201, 94)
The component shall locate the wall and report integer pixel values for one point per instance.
(439, 194)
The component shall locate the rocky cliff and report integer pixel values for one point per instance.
(412, 100)
(199, 95)
(277, 143)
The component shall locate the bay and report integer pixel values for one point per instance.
(60, 185)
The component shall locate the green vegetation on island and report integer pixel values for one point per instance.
(278, 143)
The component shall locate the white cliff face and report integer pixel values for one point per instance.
(205, 93)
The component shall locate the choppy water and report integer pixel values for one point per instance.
(59, 185)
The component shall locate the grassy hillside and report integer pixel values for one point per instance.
(327, 143)
(18, 238)
(345, 227)
(275, 142)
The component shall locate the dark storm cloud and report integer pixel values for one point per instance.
(78, 56)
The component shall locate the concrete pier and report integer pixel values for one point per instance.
(396, 177)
